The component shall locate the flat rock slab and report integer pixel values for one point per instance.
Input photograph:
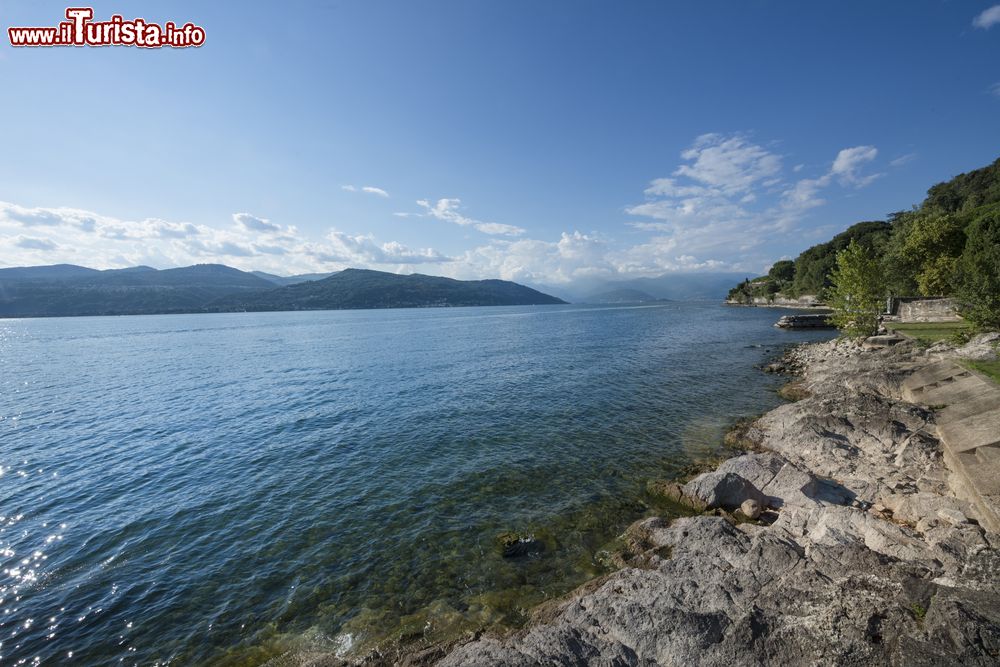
(878, 342)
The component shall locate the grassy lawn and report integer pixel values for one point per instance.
(931, 332)
(990, 369)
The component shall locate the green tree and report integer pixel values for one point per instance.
(978, 272)
(743, 293)
(857, 291)
(783, 271)
(814, 266)
(929, 245)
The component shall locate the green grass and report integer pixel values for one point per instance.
(990, 369)
(932, 332)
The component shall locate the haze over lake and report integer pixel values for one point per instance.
(193, 486)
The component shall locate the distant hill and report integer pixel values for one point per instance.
(621, 295)
(66, 290)
(45, 273)
(75, 290)
(362, 288)
(290, 280)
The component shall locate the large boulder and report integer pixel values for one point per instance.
(983, 347)
(724, 490)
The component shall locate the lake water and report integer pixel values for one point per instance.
(220, 488)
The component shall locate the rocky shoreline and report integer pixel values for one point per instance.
(861, 555)
(833, 537)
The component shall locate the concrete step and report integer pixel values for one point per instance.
(972, 432)
(956, 389)
(978, 484)
(934, 373)
(984, 400)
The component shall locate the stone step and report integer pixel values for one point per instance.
(983, 477)
(976, 483)
(972, 432)
(934, 373)
(956, 389)
(982, 401)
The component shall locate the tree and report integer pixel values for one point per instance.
(857, 291)
(742, 293)
(929, 246)
(977, 277)
(783, 271)
(814, 265)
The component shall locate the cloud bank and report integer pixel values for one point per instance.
(725, 202)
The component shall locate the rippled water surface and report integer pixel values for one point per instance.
(206, 488)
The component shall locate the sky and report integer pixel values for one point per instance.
(547, 142)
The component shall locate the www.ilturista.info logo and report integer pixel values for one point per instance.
(81, 30)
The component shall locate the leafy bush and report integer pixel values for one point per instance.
(857, 293)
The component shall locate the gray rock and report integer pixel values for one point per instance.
(952, 516)
(750, 508)
(983, 347)
(723, 490)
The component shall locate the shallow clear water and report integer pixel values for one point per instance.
(221, 487)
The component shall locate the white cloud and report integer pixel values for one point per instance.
(369, 189)
(572, 257)
(995, 89)
(728, 198)
(82, 237)
(987, 18)
(372, 190)
(846, 169)
(731, 164)
(668, 187)
(30, 243)
(804, 194)
(364, 250)
(721, 208)
(575, 258)
(254, 224)
(848, 164)
(447, 209)
(902, 160)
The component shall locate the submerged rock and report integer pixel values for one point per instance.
(517, 545)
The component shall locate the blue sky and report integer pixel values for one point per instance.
(547, 142)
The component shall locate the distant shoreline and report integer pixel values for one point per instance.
(785, 306)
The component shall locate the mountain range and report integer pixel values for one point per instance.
(68, 290)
